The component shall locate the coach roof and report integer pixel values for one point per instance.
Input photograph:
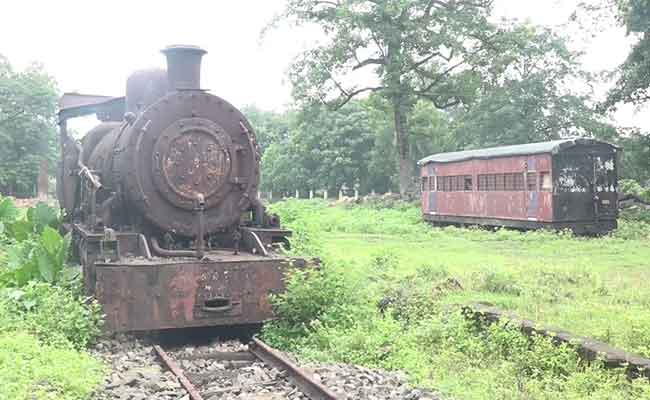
(553, 147)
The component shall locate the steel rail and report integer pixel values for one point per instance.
(259, 350)
(191, 390)
(314, 390)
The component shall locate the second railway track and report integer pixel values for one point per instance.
(253, 371)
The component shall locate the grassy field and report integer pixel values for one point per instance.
(596, 287)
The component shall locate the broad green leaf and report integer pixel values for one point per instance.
(16, 256)
(70, 273)
(46, 267)
(43, 215)
(64, 250)
(8, 210)
(21, 230)
(51, 241)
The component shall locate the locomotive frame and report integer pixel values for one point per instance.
(562, 184)
(161, 200)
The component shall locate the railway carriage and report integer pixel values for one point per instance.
(561, 184)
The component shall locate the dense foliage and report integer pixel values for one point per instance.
(45, 320)
(27, 126)
(388, 291)
(633, 84)
(508, 82)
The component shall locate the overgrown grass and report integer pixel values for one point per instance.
(30, 370)
(45, 321)
(389, 291)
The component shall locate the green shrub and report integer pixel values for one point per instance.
(312, 296)
(629, 186)
(31, 370)
(498, 282)
(629, 229)
(53, 314)
(8, 213)
(34, 222)
(39, 257)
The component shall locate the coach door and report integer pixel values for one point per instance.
(604, 185)
(532, 194)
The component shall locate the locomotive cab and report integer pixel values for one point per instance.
(161, 198)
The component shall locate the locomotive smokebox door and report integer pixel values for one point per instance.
(162, 200)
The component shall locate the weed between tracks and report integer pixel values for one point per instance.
(389, 291)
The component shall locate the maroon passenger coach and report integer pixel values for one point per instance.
(560, 184)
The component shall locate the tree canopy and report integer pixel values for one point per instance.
(412, 49)
(633, 84)
(27, 126)
(502, 80)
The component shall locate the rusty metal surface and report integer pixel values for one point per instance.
(517, 205)
(145, 87)
(176, 171)
(155, 294)
(183, 145)
(177, 142)
(191, 390)
(300, 378)
(184, 66)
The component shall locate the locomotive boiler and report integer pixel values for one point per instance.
(161, 199)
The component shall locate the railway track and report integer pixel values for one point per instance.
(218, 374)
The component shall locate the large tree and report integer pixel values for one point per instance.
(410, 50)
(329, 149)
(532, 92)
(27, 126)
(270, 127)
(633, 84)
(324, 150)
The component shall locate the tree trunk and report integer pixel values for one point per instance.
(404, 164)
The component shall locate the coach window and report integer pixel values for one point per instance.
(531, 181)
(468, 183)
(432, 183)
(519, 181)
(491, 182)
(500, 182)
(425, 181)
(545, 181)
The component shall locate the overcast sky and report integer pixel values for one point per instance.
(92, 46)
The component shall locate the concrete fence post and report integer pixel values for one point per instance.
(311, 194)
(325, 194)
(356, 194)
(297, 194)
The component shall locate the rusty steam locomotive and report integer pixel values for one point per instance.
(161, 198)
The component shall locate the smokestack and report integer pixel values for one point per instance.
(184, 66)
